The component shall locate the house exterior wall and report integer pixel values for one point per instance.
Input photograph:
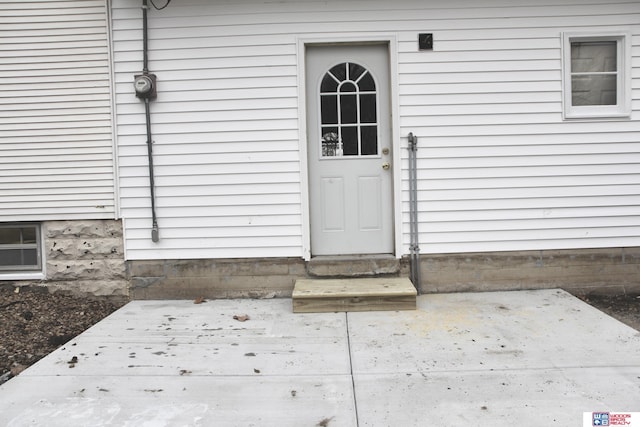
(56, 149)
(225, 131)
(511, 195)
(57, 162)
(499, 168)
(82, 257)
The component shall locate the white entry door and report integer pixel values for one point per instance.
(350, 149)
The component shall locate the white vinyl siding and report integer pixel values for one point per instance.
(499, 169)
(225, 131)
(56, 143)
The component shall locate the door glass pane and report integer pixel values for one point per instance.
(369, 140)
(368, 108)
(329, 129)
(340, 72)
(367, 83)
(348, 87)
(329, 84)
(355, 71)
(329, 109)
(350, 141)
(329, 141)
(589, 57)
(348, 109)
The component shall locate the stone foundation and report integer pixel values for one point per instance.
(84, 257)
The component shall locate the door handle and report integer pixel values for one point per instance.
(386, 166)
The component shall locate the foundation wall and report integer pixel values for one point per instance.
(581, 272)
(228, 278)
(84, 257)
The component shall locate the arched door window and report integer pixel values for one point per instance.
(348, 110)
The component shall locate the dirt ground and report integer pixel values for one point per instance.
(625, 308)
(33, 322)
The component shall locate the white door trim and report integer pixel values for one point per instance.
(390, 40)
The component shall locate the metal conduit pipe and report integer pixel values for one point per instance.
(155, 232)
(414, 247)
(155, 235)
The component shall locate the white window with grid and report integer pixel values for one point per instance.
(20, 248)
(597, 75)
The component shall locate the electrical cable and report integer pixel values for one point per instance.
(160, 8)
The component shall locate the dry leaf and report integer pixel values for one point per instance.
(241, 318)
(16, 369)
(199, 300)
(325, 422)
(73, 361)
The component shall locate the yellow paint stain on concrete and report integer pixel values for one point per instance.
(441, 315)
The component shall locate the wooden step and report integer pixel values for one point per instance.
(361, 294)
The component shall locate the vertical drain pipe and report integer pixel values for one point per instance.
(155, 237)
(414, 247)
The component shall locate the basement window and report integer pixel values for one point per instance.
(20, 248)
(597, 75)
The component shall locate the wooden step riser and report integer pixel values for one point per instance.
(330, 305)
(374, 294)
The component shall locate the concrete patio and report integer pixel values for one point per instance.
(526, 358)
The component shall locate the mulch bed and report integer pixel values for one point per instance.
(34, 322)
(625, 308)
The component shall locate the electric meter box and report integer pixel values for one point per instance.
(145, 86)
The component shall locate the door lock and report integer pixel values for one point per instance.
(386, 166)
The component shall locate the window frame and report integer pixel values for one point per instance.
(622, 109)
(38, 246)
